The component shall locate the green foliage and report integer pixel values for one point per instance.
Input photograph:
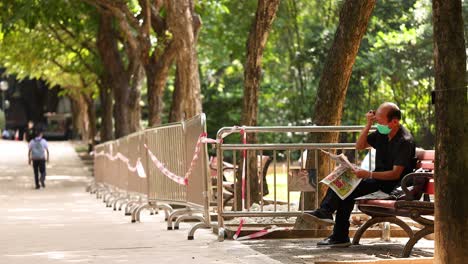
(394, 63)
(395, 60)
(55, 43)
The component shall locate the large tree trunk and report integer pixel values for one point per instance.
(134, 95)
(451, 206)
(176, 113)
(91, 116)
(80, 116)
(185, 25)
(126, 103)
(156, 74)
(258, 36)
(354, 17)
(105, 95)
(77, 112)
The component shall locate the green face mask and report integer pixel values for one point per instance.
(383, 129)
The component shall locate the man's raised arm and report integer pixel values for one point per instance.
(362, 140)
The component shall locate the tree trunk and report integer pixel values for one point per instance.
(354, 17)
(451, 208)
(258, 36)
(106, 113)
(185, 25)
(156, 74)
(81, 121)
(77, 117)
(134, 95)
(91, 117)
(176, 113)
(117, 77)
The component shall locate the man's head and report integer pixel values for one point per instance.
(38, 132)
(388, 114)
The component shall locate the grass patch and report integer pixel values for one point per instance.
(81, 149)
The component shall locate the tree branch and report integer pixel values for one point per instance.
(85, 44)
(69, 47)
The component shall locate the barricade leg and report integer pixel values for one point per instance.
(198, 226)
(122, 200)
(167, 210)
(131, 206)
(187, 217)
(175, 214)
(151, 206)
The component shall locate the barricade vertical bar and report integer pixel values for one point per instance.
(274, 179)
(249, 178)
(260, 175)
(288, 164)
(219, 154)
(317, 179)
(234, 159)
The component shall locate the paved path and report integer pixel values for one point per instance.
(64, 224)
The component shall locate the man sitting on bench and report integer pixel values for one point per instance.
(395, 156)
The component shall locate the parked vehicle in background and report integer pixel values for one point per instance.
(58, 126)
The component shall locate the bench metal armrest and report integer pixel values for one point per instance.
(419, 180)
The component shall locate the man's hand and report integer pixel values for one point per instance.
(363, 174)
(29, 161)
(370, 116)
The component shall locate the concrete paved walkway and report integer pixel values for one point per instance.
(64, 224)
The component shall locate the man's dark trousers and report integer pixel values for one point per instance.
(332, 202)
(39, 166)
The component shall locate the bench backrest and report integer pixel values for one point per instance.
(425, 159)
(426, 162)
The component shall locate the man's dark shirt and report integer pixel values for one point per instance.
(399, 151)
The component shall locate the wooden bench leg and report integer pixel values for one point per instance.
(380, 219)
(413, 240)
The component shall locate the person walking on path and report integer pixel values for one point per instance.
(37, 156)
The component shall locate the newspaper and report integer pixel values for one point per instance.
(341, 179)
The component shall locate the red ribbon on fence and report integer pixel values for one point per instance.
(138, 168)
(176, 178)
(262, 233)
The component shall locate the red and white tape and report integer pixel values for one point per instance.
(261, 233)
(176, 178)
(138, 168)
(236, 235)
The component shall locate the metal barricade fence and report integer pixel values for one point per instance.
(99, 163)
(137, 151)
(174, 145)
(274, 148)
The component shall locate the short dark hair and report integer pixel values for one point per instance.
(38, 131)
(393, 113)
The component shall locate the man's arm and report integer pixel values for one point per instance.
(391, 175)
(362, 140)
(48, 155)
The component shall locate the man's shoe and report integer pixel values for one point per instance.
(332, 242)
(43, 184)
(37, 187)
(318, 216)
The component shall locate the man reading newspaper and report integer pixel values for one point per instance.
(395, 156)
(342, 180)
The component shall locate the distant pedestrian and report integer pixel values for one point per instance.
(29, 134)
(6, 134)
(37, 156)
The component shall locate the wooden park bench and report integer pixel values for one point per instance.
(411, 206)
